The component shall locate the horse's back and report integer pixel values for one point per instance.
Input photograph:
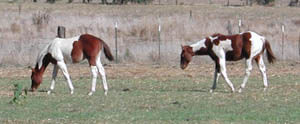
(60, 48)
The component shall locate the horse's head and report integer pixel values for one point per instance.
(186, 56)
(36, 79)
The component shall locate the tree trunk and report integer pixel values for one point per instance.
(293, 3)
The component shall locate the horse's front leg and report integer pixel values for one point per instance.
(216, 77)
(54, 74)
(63, 67)
(222, 62)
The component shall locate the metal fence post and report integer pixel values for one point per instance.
(159, 29)
(282, 49)
(299, 44)
(240, 24)
(61, 32)
(116, 40)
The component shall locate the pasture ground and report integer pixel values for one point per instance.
(156, 94)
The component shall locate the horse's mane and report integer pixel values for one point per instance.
(216, 34)
(41, 55)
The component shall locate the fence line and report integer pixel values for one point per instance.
(157, 50)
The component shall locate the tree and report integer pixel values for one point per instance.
(293, 2)
(265, 2)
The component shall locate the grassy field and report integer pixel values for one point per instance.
(156, 94)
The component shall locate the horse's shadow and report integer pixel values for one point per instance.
(177, 90)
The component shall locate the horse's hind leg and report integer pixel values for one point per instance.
(54, 74)
(102, 72)
(63, 67)
(247, 73)
(260, 63)
(94, 79)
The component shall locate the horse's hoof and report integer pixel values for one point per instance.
(105, 93)
(232, 91)
(240, 90)
(90, 93)
(49, 92)
(265, 89)
(72, 92)
(211, 91)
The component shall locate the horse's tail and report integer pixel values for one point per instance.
(107, 52)
(270, 55)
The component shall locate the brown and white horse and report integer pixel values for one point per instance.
(222, 48)
(74, 50)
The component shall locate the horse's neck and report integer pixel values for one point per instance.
(41, 68)
(199, 48)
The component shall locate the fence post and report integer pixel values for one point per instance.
(20, 8)
(229, 28)
(116, 40)
(299, 44)
(240, 25)
(159, 29)
(61, 32)
(282, 49)
(191, 14)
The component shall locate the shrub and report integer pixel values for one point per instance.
(39, 19)
(265, 2)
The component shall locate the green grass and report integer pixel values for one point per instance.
(149, 100)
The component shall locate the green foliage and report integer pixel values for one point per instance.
(18, 94)
(265, 2)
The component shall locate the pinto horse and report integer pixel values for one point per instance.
(74, 50)
(222, 48)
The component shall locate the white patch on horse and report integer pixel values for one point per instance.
(226, 45)
(60, 49)
(212, 38)
(198, 45)
(257, 42)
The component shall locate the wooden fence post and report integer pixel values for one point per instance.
(191, 14)
(116, 40)
(229, 28)
(61, 32)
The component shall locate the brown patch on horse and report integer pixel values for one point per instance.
(77, 52)
(37, 74)
(237, 45)
(90, 47)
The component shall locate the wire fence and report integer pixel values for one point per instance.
(137, 50)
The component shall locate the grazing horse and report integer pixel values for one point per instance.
(73, 50)
(222, 48)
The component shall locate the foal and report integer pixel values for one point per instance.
(73, 49)
(222, 48)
